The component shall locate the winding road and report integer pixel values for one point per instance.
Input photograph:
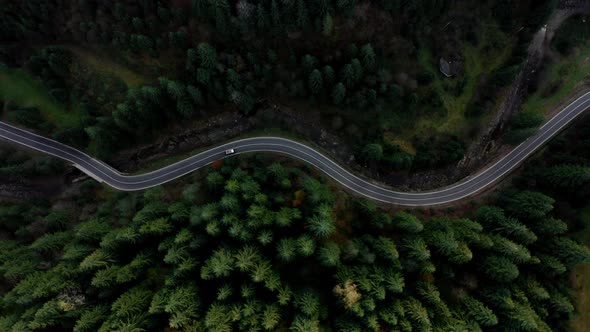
(104, 173)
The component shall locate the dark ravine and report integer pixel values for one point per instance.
(102, 172)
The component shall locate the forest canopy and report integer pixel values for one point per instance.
(258, 246)
(263, 243)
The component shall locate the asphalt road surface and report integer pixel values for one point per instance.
(469, 186)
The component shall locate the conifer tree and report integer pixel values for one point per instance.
(550, 226)
(98, 258)
(132, 302)
(348, 75)
(530, 205)
(357, 68)
(327, 25)
(329, 254)
(50, 242)
(207, 56)
(182, 306)
(91, 318)
(568, 176)
(315, 81)
(271, 317)
(517, 253)
(407, 222)
(328, 75)
(48, 315)
(308, 62)
(261, 17)
(368, 56)
(220, 264)
(479, 312)
(308, 302)
(385, 248)
(195, 95)
(218, 318)
(275, 16)
(499, 268)
(522, 317)
(302, 15)
(287, 249)
(306, 245)
(569, 251)
(338, 93)
(373, 152)
(393, 280)
(416, 312)
(321, 226)
(416, 248)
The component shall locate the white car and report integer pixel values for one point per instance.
(229, 151)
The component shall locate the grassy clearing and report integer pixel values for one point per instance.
(581, 280)
(405, 145)
(166, 64)
(99, 62)
(570, 71)
(478, 62)
(19, 88)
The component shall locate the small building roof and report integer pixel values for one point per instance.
(449, 68)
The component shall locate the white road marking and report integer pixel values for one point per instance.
(460, 190)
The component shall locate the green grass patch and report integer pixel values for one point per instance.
(101, 63)
(565, 75)
(478, 61)
(22, 90)
(581, 280)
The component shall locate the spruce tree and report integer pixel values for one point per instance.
(479, 312)
(327, 25)
(348, 75)
(275, 16)
(567, 176)
(499, 268)
(321, 226)
(338, 93)
(207, 56)
(328, 75)
(368, 56)
(261, 17)
(416, 312)
(529, 205)
(287, 249)
(407, 222)
(315, 81)
(329, 254)
(302, 15)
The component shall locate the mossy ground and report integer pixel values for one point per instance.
(20, 89)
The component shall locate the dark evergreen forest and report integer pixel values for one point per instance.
(262, 243)
(255, 245)
(243, 53)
